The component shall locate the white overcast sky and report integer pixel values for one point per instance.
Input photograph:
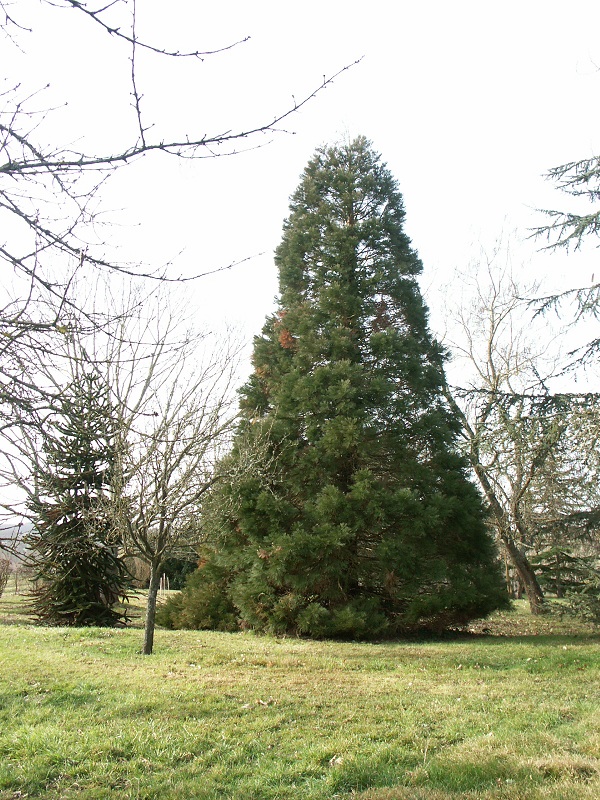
(469, 102)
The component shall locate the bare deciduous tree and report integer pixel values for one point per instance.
(172, 435)
(510, 424)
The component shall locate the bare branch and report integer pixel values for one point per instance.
(190, 147)
(96, 16)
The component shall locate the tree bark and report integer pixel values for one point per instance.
(526, 575)
(524, 570)
(151, 608)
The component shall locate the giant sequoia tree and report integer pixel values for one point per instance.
(363, 522)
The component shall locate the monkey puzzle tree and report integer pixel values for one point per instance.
(79, 577)
(364, 523)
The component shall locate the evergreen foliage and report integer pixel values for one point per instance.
(177, 570)
(78, 574)
(574, 577)
(364, 524)
(5, 570)
(561, 572)
(585, 602)
(202, 605)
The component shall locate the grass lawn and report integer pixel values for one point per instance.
(512, 712)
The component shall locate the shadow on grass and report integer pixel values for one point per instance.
(481, 780)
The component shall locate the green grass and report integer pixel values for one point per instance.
(513, 714)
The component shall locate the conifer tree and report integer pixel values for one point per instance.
(364, 523)
(78, 574)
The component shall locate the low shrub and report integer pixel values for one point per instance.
(201, 605)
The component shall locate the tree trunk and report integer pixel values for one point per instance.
(507, 576)
(521, 564)
(526, 575)
(151, 608)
